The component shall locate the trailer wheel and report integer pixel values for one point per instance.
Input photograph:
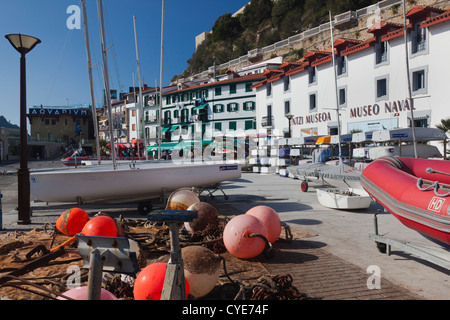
(381, 247)
(304, 186)
(144, 207)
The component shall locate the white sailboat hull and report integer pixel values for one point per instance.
(423, 151)
(330, 199)
(103, 184)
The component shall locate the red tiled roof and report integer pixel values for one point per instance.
(275, 78)
(438, 19)
(249, 77)
(363, 45)
(422, 9)
(321, 60)
(384, 26)
(259, 84)
(392, 35)
(298, 69)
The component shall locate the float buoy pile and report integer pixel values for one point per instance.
(247, 235)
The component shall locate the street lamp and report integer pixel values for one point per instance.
(23, 44)
(289, 117)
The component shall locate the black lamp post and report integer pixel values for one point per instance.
(289, 117)
(23, 44)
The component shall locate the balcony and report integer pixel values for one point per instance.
(151, 119)
(267, 121)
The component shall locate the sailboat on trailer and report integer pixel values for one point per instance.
(139, 181)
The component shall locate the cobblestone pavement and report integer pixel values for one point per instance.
(321, 275)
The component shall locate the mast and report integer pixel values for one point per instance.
(161, 82)
(336, 90)
(88, 53)
(106, 80)
(137, 118)
(141, 104)
(411, 102)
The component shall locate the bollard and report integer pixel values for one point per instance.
(173, 288)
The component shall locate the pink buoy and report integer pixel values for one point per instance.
(81, 293)
(239, 236)
(270, 219)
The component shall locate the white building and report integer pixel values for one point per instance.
(372, 90)
(218, 107)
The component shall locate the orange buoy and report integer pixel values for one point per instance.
(270, 219)
(72, 221)
(239, 236)
(149, 282)
(100, 226)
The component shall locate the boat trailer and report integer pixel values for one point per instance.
(437, 256)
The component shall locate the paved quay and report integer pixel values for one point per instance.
(335, 260)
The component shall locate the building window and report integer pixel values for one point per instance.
(268, 89)
(249, 125)
(218, 126)
(47, 121)
(381, 85)
(381, 52)
(248, 106)
(342, 97)
(341, 66)
(53, 121)
(419, 40)
(247, 87)
(50, 136)
(166, 117)
(232, 88)
(287, 107)
(312, 75)
(232, 125)
(232, 107)
(312, 102)
(218, 91)
(286, 83)
(419, 81)
(218, 108)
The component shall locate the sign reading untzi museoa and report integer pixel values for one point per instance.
(357, 112)
(312, 118)
(59, 112)
(375, 109)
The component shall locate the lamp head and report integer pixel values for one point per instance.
(22, 43)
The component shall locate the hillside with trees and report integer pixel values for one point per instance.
(263, 22)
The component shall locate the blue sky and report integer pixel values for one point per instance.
(57, 68)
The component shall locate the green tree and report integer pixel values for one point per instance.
(226, 28)
(444, 126)
(255, 13)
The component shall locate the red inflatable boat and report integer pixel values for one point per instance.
(415, 191)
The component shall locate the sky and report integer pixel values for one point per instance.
(57, 72)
